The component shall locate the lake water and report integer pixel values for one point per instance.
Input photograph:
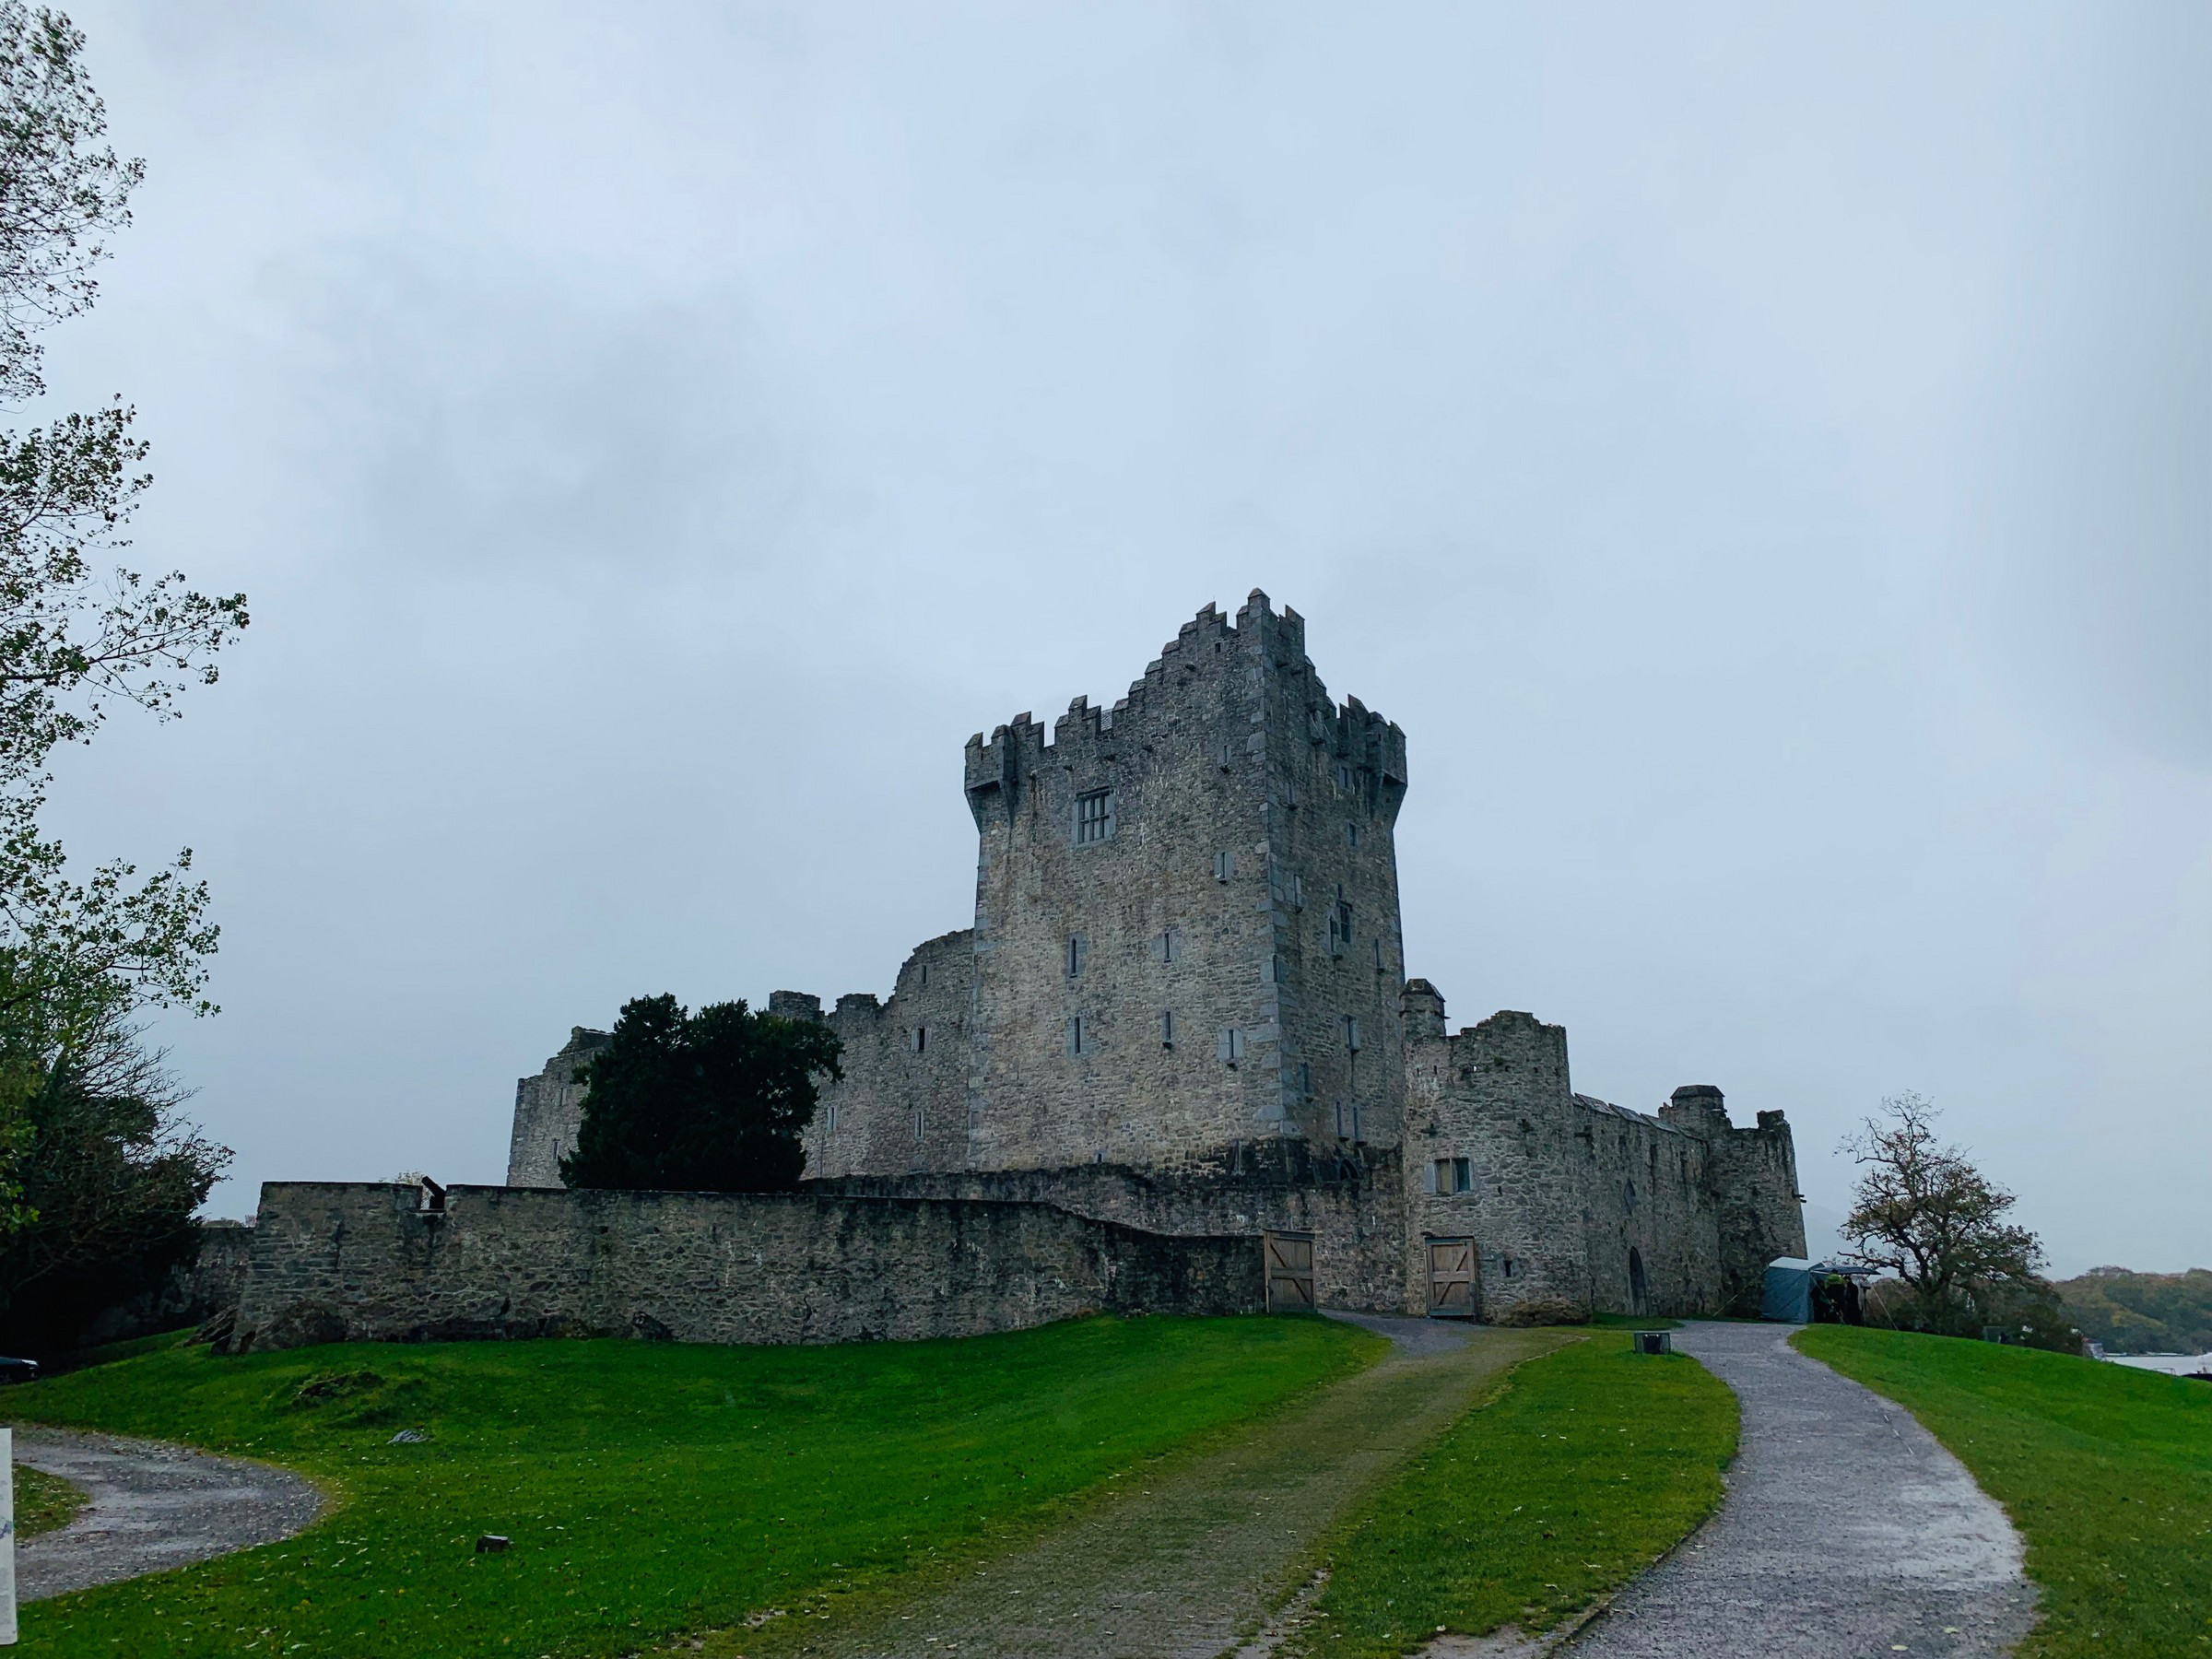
(2178, 1365)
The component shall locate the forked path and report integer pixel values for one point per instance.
(1182, 1565)
(1847, 1530)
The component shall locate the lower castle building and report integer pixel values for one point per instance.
(1184, 1009)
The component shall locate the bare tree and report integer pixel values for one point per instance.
(1925, 1213)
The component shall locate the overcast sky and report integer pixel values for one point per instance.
(1764, 461)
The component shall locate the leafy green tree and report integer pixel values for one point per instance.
(81, 631)
(711, 1101)
(109, 1172)
(1925, 1213)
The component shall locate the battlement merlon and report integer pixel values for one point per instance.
(1277, 637)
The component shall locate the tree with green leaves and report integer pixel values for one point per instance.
(81, 632)
(712, 1101)
(1923, 1213)
(108, 1175)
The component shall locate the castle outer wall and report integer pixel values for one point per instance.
(358, 1262)
(1571, 1200)
(1350, 1203)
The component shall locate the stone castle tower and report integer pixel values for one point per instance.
(1187, 967)
(1186, 915)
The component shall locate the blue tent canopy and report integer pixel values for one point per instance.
(1789, 1288)
(1789, 1292)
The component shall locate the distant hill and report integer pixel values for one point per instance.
(2143, 1312)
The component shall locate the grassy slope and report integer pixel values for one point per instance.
(1589, 1465)
(44, 1501)
(2106, 1471)
(649, 1489)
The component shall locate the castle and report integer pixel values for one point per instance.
(1184, 1008)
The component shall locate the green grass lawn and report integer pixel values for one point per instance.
(650, 1489)
(44, 1502)
(1587, 1465)
(2106, 1471)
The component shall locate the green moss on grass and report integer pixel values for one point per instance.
(650, 1489)
(1585, 1467)
(2106, 1470)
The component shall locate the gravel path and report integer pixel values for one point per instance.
(1182, 1567)
(154, 1506)
(1847, 1530)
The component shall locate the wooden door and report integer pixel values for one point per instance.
(1451, 1279)
(1290, 1260)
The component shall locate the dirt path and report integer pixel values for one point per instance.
(1846, 1530)
(154, 1506)
(1182, 1568)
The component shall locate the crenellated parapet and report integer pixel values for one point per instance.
(1374, 747)
(1257, 646)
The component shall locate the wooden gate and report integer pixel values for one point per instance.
(1289, 1263)
(1451, 1279)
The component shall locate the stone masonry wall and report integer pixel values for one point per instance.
(1351, 1200)
(360, 1262)
(1573, 1198)
(903, 1102)
(1754, 1181)
(1646, 1204)
(1497, 1096)
(549, 1112)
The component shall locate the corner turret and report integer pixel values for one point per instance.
(1698, 1107)
(1424, 1012)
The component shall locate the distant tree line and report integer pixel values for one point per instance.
(2143, 1312)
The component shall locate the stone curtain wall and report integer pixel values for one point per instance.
(1352, 1201)
(1646, 1189)
(361, 1262)
(549, 1112)
(1563, 1186)
(903, 1102)
(1754, 1183)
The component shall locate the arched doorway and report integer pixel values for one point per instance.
(1638, 1288)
